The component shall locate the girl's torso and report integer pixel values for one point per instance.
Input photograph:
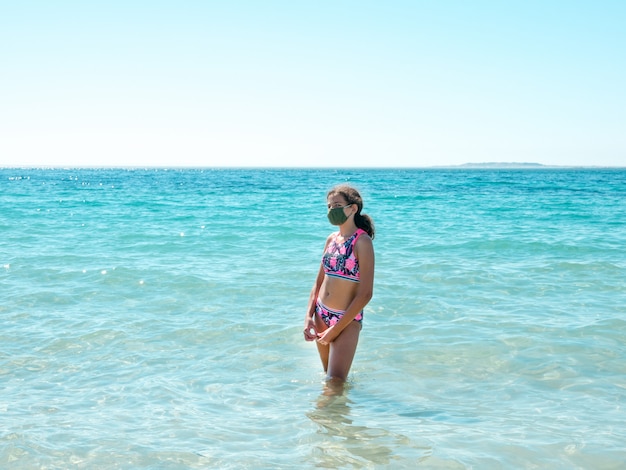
(341, 266)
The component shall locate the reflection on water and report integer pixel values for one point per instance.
(341, 441)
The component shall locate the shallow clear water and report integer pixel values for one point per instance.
(152, 319)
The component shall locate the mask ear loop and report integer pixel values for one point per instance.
(354, 204)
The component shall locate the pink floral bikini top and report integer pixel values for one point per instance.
(339, 259)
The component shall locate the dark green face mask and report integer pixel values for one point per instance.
(336, 215)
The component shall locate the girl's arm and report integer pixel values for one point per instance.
(313, 296)
(309, 324)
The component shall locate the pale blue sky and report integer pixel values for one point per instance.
(312, 83)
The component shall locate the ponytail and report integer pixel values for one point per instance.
(365, 222)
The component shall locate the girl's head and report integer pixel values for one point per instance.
(352, 196)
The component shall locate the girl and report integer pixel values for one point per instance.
(344, 284)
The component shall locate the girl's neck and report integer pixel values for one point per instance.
(347, 230)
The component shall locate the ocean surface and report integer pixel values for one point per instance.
(153, 319)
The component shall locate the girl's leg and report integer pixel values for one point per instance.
(342, 352)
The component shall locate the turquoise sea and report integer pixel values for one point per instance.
(153, 319)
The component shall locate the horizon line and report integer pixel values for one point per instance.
(463, 166)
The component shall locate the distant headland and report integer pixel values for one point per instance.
(515, 166)
(506, 165)
(521, 166)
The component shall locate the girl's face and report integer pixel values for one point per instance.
(339, 210)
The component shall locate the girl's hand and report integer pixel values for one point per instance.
(326, 337)
(310, 332)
